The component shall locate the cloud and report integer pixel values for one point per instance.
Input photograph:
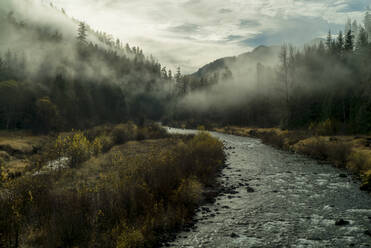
(185, 28)
(297, 31)
(199, 31)
(246, 23)
(225, 11)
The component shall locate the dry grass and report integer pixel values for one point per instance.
(107, 164)
(129, 197)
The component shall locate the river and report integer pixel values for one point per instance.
(280, 199)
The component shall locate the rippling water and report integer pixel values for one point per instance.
(280, 200)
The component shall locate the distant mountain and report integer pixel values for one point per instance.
(266, 55)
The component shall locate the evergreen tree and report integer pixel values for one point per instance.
(329, 41)
(348, 26)
(170, 75)
(178, 75)
(164, 73)
(367, 22)
(362, 39)
(349, 41)
(81, 33)
(340, 43)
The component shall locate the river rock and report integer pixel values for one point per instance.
(342, 222)
(368, 232)
(233, 235)
(250, 190)
(343, 175)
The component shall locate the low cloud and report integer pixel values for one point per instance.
(194, 29)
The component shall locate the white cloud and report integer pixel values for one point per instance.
(191, 33)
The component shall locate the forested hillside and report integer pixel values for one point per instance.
(58, 73)
(321, 85)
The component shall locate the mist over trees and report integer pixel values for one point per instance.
(327, 81)
(71, 75)
(58, 73)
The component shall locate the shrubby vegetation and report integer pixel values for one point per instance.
(130, 203)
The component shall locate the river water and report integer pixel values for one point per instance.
(279, 199)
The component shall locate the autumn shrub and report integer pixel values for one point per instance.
(151, 131)
(124, 132)
(77, 148)
(98, 131)
(189, 193)
(359, 161)
(273, 139)
(130, 238)
(366, 181)
(201, 128)
(327, 127)
(106, 143)
(134, 204)
(202, 156)
(321, 148)
(338, 152)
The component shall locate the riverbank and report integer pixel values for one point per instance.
(280, 199)
(349, 152)
(108, 186)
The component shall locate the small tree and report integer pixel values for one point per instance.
(329, 40)
(178, 75)
(82, 33)
(349, 41)
(340, 43)
(362, 39)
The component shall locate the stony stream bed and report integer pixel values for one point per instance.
(280, 199)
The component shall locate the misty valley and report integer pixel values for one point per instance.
(104, 144)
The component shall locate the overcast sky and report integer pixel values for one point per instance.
(191, 33)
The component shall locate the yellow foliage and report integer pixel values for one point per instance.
(359, 161)
(189, 192)
(366, 180)
(201, 128)
(77, 148)
(130, 238)
(327, 127)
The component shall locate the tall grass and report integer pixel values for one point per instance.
(135, 205)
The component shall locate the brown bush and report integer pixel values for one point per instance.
(273, 139)
(335, 152)
(123, 133)
(133, 205)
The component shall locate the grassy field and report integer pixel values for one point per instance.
(119, 186)
(350, 152)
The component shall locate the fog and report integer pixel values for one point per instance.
(191, 33)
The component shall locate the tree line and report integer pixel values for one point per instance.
(327, 81)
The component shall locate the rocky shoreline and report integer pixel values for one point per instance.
(352, 153)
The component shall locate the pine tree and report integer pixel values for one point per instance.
(348, 26)
(170, 75)
(367, 22)
(329, 40)
(362, 39)
(340, 42)
(164, 73)
(81, 33)
(349, 43)
(178, 75)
